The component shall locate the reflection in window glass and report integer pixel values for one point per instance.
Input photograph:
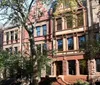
(81, 40)
(44, 29)
(70, 43)
(60, 45)
(38, 31)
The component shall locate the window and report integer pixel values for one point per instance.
(81, 40)
(69, 20)
(97, 36)
(83, 67)
(44, 29)
(60, 45)
(72, 67)
(7, 49)
(38, 31)
(98, 65)
(80, 19)
(59, 67)
(59, 24)
(70, 43)
(7, 37)
(10, 50)
(16, 49)
(16, 35)
(12, 36)
(44, 49)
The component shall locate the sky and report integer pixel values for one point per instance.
(2, 21)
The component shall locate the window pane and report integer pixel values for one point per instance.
(59, 24)
(70, 43)
(12, 36)
(16, 49)
(44, 29)
(72, 67)
(60, 45)
(98, 65)
(7, 37)
(16, 35)
(83, 67)
(97, 36)
(81, 42)
(10, 50)
(80, 19)
(69, 20)
(38, 31)
(44, 49)
(7, 49)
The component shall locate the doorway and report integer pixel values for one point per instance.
(58, 68)
(72, 67)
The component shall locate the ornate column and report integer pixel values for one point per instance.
(64, 67)
(64, 43)
(63, 23)
(77, 67)
(67, 68)
(75, 42)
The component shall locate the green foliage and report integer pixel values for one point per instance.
(80, 82)
(9, 61)
(93, 49)
(72, 4)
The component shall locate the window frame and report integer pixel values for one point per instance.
(83, 43)
(72, 43)
(61, 46)
(38, 31)
(12, 36)
(44, 30)
(7, 37)
(59, 24)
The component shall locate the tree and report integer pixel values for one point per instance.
(19, 15)
(9, 63)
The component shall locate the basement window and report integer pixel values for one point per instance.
(98, 65)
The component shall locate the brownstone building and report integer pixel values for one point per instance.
(69, 26)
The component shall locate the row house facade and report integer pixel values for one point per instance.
(69, 29)
(69, 36)
(16, 38)
(64, 31)
(12, 39)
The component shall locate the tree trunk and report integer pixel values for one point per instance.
(33, 59)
